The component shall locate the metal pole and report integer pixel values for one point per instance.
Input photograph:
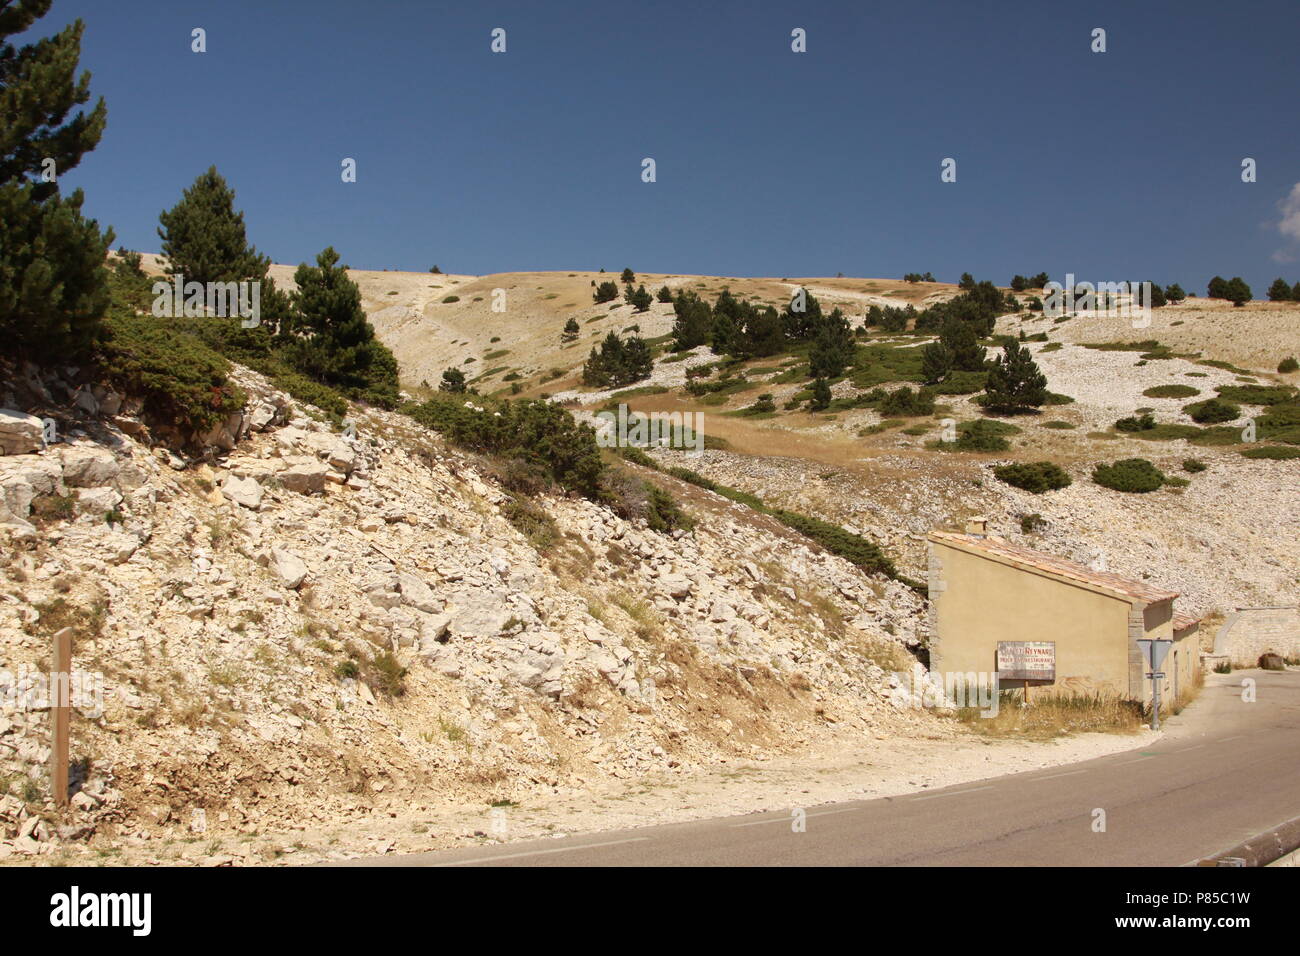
(1155, 705)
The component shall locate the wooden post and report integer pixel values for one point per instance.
(60, 714)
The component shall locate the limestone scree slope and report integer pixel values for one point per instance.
(311, 629)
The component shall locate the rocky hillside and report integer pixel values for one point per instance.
(311, 628)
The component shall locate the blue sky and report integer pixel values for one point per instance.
(1117, 165)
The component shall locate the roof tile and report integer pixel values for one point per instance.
(1058, 567)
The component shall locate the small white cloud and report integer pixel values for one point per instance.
(1289, 224)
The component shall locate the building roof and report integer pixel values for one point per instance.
(1002, 550)
(1183, 621)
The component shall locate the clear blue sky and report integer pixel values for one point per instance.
(1121, 165)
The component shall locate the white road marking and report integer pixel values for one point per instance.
(1233, 737)
(1068, 773)
(936, 796)
(560, 849)
(820, 813)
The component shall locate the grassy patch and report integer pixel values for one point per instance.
(1054, 715)
(1272, 452)
(1256, 394)
(1171, 391)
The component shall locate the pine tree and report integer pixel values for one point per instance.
(333, 341)
(763, 334)
(1157, 295)
(694, 321)
(53, 281)
(628, 276)
(833, 347)
(821, 395)
(1295, 292)
(664, 295)
(637, 361)
(617, 362)
(1175, 293)
(1217, 288)
(570, 328)
(725, 337)
(936, 363)
(1015, 381)
(959, 338)
(640, 299)
(203, 237)
(598, 370)
(802, 324)
(1279, 291)
(453, 380)
(1237, 291)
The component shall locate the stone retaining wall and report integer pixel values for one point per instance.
(1251, 631)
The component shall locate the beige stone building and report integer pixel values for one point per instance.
(985, 590)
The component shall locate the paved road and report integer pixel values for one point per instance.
(1225, 770)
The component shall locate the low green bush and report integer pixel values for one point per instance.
(184, 382)
(1171, 391)
(637, 456)
(960, 382)
(1256, 394)
(536, 432)
(1281, 423)
(1129, 474)
(1035, 477)
(1135, 424)
(982, 434)
(1194, 465)
(1271, 452)
(1031, 523)
(852, 547)
(1212, 411)
(905, 403)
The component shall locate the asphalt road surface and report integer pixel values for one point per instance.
(1225, 770)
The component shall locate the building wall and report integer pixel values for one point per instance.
(1251, 631)
(976, 602)
(1187, 654)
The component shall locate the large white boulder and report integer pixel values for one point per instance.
(88, 466)
(243, 491)
(292, 570)
(20, 433)
(306, 476)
